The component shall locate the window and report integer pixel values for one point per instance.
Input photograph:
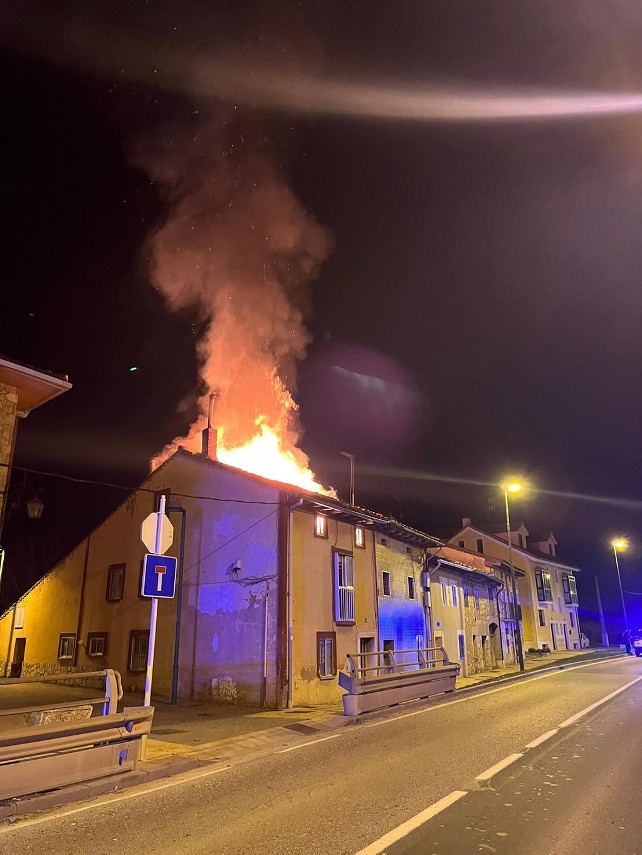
(570, 590)
(138, 645)
(326, 654)
(359, 537)
(115, 583)
(476, 597)
(384, 542)
(343, 588)
(19, 617)
(408, 551)
(462, 647)
(571, 616)
(386, 583)
(411, 588)
(96, 643)
(522, 541)
(480, 545)
(67, 645)
(543, 583)
(453, 591)
(462, 544)
(444, 594)
(542, 617)
(466, 596)
(320, 525)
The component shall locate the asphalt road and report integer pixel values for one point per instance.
(339, 793)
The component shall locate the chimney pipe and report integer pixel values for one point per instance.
(210, 434)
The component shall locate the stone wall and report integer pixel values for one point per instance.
(8, 407)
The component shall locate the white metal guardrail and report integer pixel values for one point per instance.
(384, 678)
(44, 756)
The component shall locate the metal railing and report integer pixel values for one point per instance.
(378, 662)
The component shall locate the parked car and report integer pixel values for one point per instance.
(584, 641)
(637, 642)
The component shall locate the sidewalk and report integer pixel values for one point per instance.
(187, 735)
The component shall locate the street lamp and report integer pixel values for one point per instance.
(513, 487)
(619, 543)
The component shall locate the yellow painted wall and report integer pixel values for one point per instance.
(313, 603)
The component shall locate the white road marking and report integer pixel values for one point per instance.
(306, 744)
(542, 738)
(487, 774)
(405, 828)
(599, 703)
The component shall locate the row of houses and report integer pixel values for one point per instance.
(276, 586)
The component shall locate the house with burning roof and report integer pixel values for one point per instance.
(546, 585)
(275, 586)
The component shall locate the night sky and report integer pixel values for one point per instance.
(478, 309)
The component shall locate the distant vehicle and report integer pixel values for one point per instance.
(584, 641)
(637, 643)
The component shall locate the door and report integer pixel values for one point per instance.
(553, 635)
(566, 636)
(367, 646)
(18, 657)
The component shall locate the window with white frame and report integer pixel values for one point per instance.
(570, 590)
(544, 587)
(343, 588)
(326, 654)
(320, 525)
(96, 644)
(385, 579)
(138, 647)
(444, 593)
(360, 536)
(67, 645)
(453, 591)
(411, 588)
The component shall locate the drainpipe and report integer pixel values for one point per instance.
(179, 603)
(289, 601)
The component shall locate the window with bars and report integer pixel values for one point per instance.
(544, 587)
(570, 590)
(385, 578)
(343, 588)
(326, 654)
(138, 647)
(115, 583)
(67, 645)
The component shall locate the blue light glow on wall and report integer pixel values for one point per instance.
(401, 621)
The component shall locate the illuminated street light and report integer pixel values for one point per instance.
(513, 487)
(619, 543)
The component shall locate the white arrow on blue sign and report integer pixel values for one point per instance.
(159, 576)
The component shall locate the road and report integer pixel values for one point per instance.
(343, 792)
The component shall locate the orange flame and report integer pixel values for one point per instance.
(263, 455)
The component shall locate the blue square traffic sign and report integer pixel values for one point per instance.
(159, 576)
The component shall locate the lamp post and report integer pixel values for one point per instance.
(351, 459)
(513, 487)
(621, 544)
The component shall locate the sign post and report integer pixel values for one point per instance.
(154, 576)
